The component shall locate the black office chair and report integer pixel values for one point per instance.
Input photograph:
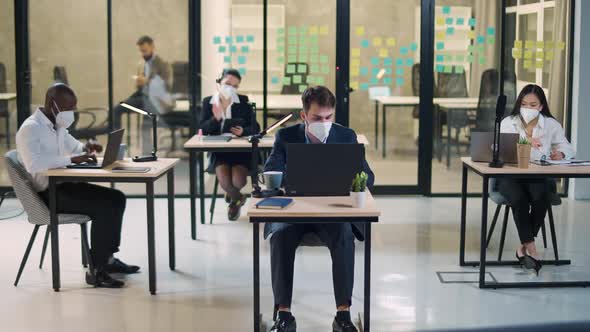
(178, 120)
(4, 111)
(91, 129)
(416, 88)
(488, 93)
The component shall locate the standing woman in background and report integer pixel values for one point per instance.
(227, 112)
(532, 119)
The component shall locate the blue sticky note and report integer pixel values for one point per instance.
(491, 31)
(387, 71)
(239, 39)
(399, 81)
(375, 71)
(472, 22)
(217, 40)
(399, 62)
(274, 80)
(228, 40)
(446, 9)
(399, 72)
(481, 39)
(221, 49)
(409, 62)
(387, 61)
(233, 49)
(439, 68)
(450, 31)
(440, 45)
(460, 21)
(250, 38)
(403, 51)
(449, 21)
(227, 59)
(387, 80)
(374, 80)
(242, 71)
(414, 47)
(364, 43)
(440, 58)
(364, 86)
(375, 61)
(364, 71)
(241, 59)
(245, 49)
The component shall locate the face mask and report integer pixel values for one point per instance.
(228, 91)
(63, 119)
(528, 114)
(320, 130)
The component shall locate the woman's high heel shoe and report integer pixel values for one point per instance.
(531, 263)
(520, 259)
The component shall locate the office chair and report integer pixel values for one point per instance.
(38, 212)
(485, 114)
(500, 200)
(4, 111)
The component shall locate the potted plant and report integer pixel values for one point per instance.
(358, 191)
(523, 149)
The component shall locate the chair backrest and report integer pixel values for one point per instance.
(488, 94)
(180, 78)
(379, 91)
(60, 75)
(452, 85)
(3, 88)
(37, 211)
(416, 88)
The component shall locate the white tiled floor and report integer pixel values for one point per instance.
(212, 287)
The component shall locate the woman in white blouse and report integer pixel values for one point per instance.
(528, 198)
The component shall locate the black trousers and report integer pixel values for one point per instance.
(528, 199)
(340, 241)
(141, 101)
(104, 205)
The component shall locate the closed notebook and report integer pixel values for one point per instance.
(274, 203)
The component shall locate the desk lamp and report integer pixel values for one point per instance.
(154, 118)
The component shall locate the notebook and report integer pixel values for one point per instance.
(274, 203)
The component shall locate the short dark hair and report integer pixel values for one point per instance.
(229, 71)
(319, 95)
(145, 40)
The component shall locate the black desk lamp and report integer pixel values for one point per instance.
(500, 107)
(154, 118)
(255, 139)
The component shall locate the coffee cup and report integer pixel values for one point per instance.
(273, 179)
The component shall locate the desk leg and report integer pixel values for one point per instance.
(376, 125)
(367, 303)
(463, 215)
(128, 113)
(484, 229)
(202, 186)
(53, 224)
(150, 231)
(383, 130)
(171, 241)
(193, 192)
(256, 276)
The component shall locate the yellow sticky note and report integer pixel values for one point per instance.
(355, 62)
(540, 55)
(528, 54)
(360, 30)
(528, 64)
(440, 35)
(440, 20)
(390, 41)
(540, 44)
(539, 64)
(355, 51)
(313, 30)
(377, 41)
(561, 45)
(518, 44)
(323, 30)
(529, 44)
(549, 45)
(383, 53)
(354, 71)
(517, 53)
(549, 55)
(354, 85)
(471, 34)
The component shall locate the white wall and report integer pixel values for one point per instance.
(215, 21)
(581, 97)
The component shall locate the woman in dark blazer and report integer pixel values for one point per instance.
(227, 112)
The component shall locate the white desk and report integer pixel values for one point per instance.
(7, 96)
(275, 102)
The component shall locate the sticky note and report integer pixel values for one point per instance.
(239, 39)
(377, 41)
(325, 69)
(561, 45)
(303, 57)
(472, 22)
(291, 69)
(540, 55)
(281, 59)
(280, 31)
(449, 20)
(460, 58)
(320, 81)
(286, 80)
(303, 29)
(364, 86)
(440, 35)
(245, 49)
(280, 49)
(528, 64)
(216, 40)
(313, 40)
(354, 85)
(516, 53)
(446, 10)
(470, 48)
(539, 64)
(518, 43)
(228, 39)
(471, 34)
(491, 31)
(359, 30)
(414, 47)
(529, 43)
(324, 30)
(354, 71)
(364, 43)
(310, 79)
(481, 39)
(364, 71)
(470, 58)
(302, 88)
(302, 68)
(481, 48)
(383, 53)
(241, 59)
(448, 69)
(227, 59)
(440, 20)
(280, 40)
(460, 21)
(250, 38)
(303, 49)
(323, 59)
(274, 80)
(387, 80)
(221, 49)
(292, 58)
(440, 45)
(297, 79)
(399, 81)
(242, 71)
(491, 40)
(314, 58)
(540, 44)
(355, 52)
(399, 72)
(355, 62)
(399, 62)
(292, 30)
(375, 71)
(291, 49)
(549, 55)
(374, 80)
(387, 71)
(314, 69)
(528, 54)
(387, 61)
(390, 42)
(439, 68)
(450, 31)
(292, 40)
(459, 69)
(313, 30)
(440, 58)
(448, 58)
(549, 44)
(483, 60)
(403, 51)
(409, 62)
(233, 49)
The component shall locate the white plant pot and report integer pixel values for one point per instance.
(358, 199)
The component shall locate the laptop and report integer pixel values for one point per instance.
(322, 169)
(110, 154)
(482, 143)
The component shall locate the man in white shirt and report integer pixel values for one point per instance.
(43, 143)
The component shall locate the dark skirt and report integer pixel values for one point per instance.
(229, 158)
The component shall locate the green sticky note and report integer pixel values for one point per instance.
(310, 79)
(399, 81)
(303, 39)
(228, 40)
(303, 49)
(320, 80)
(302, 69)
(292, 30)
(387, 80)
(233, 49)
(239, 39)
(227, 59)
(491, 31)
(281, 49)
(460, 58)
(440, 45)
(303, 29)
(241, 59)
(482, 60)
(292, 40)
(450, 31)
(448, 58)
(291, 49)
(323, 59)
(491, 40)
(302, 57)
(364, 86)
(446, 10)
(216, 40)
(221, 49)
(286, 80)
(414, 47)
(365, 43)
(281, 31)
(460, 21)
(281, 59)
(449, 21)
(448, 69)
(302, 87)
(403, 51)
(314, 49)
(314, 68)
(291, 69)
(242, 71)
(472, 22)
(325, 69)
(440, 58)
(245, 49)
(314, 58)
(471, 48)
(281, 39)
(297, 79)
(399, 72)
(481, 48)
(459, 69)
(470, 58)
(313, 40)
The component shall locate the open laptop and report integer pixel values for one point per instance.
(482, 144)
(110, 154)
(322, 169)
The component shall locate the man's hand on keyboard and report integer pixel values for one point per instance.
(85, 158)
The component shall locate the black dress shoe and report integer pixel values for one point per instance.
(117, 266)
(284, 325)
(99, 278)
(530, 263)
(343, 326)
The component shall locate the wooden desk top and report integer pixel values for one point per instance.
(317, 207)
(7, 96)
(242, 143)
(512, 169)
(414, 100)
(287, 102)
(157, 169)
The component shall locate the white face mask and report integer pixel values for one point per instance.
(228, 91)
(63, 119)
(528, 114)
(320, 130)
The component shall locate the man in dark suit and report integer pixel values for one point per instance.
(318, 128)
